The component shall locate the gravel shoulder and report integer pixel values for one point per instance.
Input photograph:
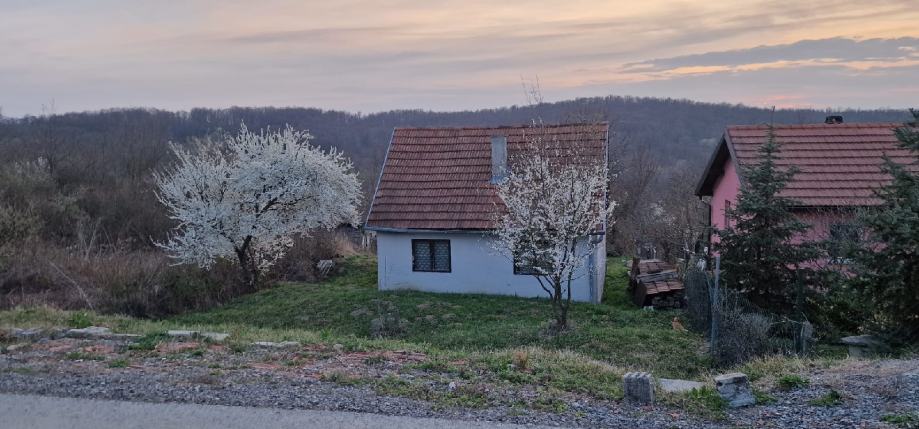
(315, 377)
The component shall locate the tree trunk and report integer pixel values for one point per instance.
(561, 305)
(248, 271)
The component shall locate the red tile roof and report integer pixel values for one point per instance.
(440, 178)
(837, 164)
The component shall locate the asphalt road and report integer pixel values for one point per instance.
(38, 412)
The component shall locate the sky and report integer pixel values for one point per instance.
(374, 55)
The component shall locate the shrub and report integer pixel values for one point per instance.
(387, 322)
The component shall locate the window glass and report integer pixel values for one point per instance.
(431, 255)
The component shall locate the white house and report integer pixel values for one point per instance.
(435, 202)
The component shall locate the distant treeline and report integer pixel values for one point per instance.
(101, 162)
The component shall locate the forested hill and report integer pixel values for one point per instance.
(97, 156)
(673, 129)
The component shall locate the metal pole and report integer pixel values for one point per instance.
(714, 307)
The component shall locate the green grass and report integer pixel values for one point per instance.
(615, 331)
(704, 402)
(830, 399)
(791, 382)
(501, 341)
(119, 363)
(903, 421)
(77, 355)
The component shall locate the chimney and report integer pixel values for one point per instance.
(498, 158)
(833, 119)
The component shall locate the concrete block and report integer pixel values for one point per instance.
(638, 387)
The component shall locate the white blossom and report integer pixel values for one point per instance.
(247, 196)
(556, 207)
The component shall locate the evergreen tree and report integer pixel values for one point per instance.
(758, 254)
(888, 264)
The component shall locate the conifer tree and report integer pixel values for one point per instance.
(758, 251)
(888, 264)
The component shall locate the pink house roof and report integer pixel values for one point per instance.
(838, 165)
(440, 178)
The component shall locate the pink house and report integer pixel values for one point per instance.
(838, 164)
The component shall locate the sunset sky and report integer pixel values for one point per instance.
(371, 55)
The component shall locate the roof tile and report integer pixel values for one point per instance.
(440, 178)
(837, 164)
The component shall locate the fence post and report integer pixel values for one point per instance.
(714, 308)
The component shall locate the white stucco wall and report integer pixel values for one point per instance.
(474, 268)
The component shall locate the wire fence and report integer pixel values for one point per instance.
(737, 330)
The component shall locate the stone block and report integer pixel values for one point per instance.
(638, 387)
(863, 345)
(679, 386)
(90, 332)
(31, 334)
(735, 389)
(182, 334)
(215, 336)
(273, 345)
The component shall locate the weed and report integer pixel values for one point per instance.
(79, 320)
(77, 355)
(521, 360)
(792, 382)
(549, 402)
(903, 421)
(704, 402)
(830, 399)
(238, 346)
(374, 360)
(342, 378)
(118, 363)
(148, 342)
(763, 398)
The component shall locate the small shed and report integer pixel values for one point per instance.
(655, 283)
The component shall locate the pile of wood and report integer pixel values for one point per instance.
(655, 283)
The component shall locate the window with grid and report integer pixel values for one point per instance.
(431, 255)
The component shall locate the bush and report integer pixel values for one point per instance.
(299, 263)
(387, 322)
(133, 282)
(742, 336)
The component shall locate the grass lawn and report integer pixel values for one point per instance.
(484, 340)
(616, 331)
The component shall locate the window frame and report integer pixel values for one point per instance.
(430, 243)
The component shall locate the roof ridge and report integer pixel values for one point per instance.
(817, 125)
(494, 127)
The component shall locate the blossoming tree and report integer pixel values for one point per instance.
(556, 203)
(246, 196)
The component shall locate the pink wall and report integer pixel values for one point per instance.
(726, 189)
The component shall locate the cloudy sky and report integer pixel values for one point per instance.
(372, 55)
